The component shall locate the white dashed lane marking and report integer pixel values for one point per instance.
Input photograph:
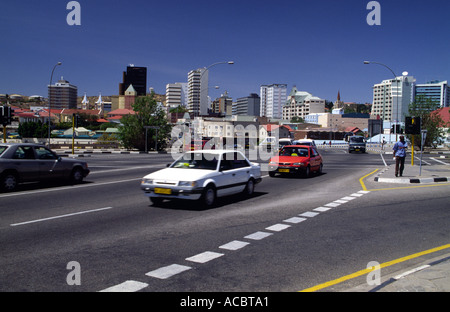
(168, 271)
(128, 286)
(295, 220)
(321, 209)
(258, 235)
(309, 214)
(205, 257)
(234, 245)
(278, 227)
(171, 270)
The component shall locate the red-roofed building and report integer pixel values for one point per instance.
(116, 115)
(444, 113)
(271, 130)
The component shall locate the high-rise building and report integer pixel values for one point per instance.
(198, 92)
(247, 106)
(436, 91)
(391, 98)
(137, 76)
(223, 105)
(62, 94)
(176, 94)
(273, 97)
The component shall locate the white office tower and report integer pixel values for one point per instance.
(198, 92)
(273, 97)
(391, 98)
(176, 94)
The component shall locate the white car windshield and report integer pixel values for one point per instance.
(205, 161)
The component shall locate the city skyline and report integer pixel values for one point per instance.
(318, 46)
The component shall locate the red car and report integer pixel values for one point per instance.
(296, 159)
(195, 145)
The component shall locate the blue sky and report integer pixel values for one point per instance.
(319, 46)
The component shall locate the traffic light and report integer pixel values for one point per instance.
(412, 125)
(6, 115)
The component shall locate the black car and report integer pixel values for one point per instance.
(29, 162)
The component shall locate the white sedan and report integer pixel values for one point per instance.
(203, 175)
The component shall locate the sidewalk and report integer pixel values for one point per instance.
(430, 276)
(415, 174)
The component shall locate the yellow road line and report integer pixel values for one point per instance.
(362, 182)
(366, 271)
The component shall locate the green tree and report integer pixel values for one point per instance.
(32, 129)
(297, 119)
(423, 107)
(147, 113)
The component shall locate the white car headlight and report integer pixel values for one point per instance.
(147, 181)
(187, 183)
(273, 163)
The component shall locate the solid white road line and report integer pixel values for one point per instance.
(411, 271)
(61, 216)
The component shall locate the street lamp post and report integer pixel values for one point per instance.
(396, 97)
(204, 71)
(50, 104)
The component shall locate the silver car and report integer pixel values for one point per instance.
(28, 162)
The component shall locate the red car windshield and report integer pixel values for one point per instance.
(295, 151)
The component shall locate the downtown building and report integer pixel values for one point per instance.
(392, 97)
(198, 92)
(176, 94)
(301, 104)
(62, 95)
(437, 91)
(136, 76)
(247, 106)
(273, 97)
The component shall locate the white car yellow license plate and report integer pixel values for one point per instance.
(164, 191)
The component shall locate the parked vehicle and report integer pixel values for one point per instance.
(356, 144)
(204, 176)
(296, 159)
(29, 162)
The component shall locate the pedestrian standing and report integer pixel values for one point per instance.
(400, 155)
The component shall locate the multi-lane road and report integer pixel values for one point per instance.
(293, 234)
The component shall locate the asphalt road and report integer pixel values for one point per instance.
(263, 243)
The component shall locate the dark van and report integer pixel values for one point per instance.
(356, 144)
